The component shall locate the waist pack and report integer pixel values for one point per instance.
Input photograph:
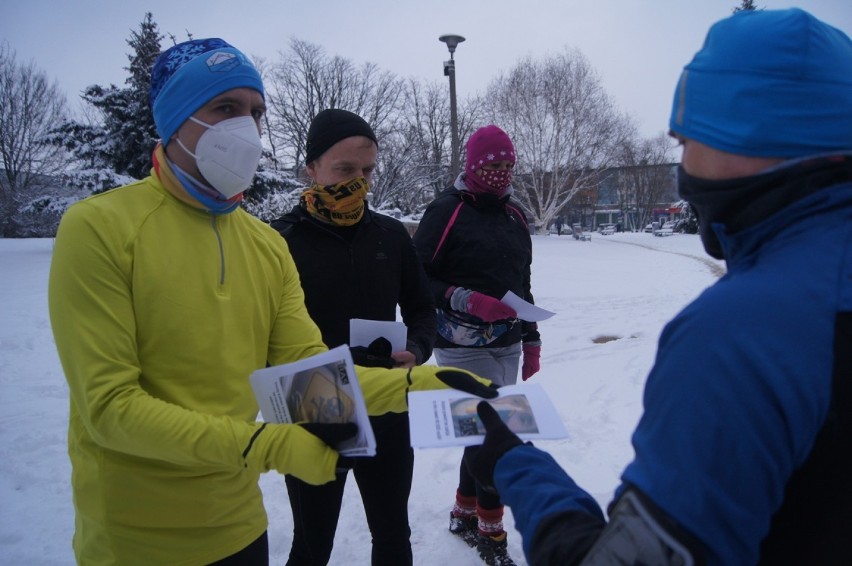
(465, 330)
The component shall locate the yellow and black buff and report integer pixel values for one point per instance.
(341, 204)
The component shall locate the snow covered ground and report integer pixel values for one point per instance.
(612, 296)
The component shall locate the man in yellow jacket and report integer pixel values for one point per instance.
(164, 296)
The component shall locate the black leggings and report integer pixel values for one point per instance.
(255, 554)
(468, 486)
(385, 484)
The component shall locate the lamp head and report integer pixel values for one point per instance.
(452, 41)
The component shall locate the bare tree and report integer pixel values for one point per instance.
(29, 107)
(401, 181)
(415, 158)
(427, 128)
(644, 177)
(564, 127)
(410, 119)
(271, 155)
(306, 80)
(471, 115)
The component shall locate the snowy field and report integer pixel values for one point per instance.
(612, 296)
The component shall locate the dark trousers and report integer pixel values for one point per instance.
(255, 554)
(385, 484)
(468, 486)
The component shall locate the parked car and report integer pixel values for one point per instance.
(649, 228)
(608, 230)
(666, 230)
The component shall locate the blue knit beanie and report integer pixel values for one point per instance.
(768, 83)
(182, 81)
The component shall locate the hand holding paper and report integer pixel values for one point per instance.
(291, 449)
(322, 389)
(488, 308)
(526, 310)
(449, 418)
(362, 332)
(331, 433)
(377, 354)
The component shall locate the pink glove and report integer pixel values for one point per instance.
(488, 308)
(532, 355)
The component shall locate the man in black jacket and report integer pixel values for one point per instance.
(356, 263)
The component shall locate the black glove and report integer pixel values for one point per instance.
(331, 433)
(480, 460)
(377, 354)
(464, 382)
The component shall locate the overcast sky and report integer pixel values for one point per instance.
(638, 47)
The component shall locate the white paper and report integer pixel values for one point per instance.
(447, 417)
(526, 311)
(321, 389)
(362, 332)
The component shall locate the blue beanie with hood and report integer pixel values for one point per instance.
(188, 75)
(768, 83)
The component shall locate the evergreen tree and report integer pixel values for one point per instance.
(146, 48)
(121, 145)
(92, 151)
(746, 6)
(128, 111)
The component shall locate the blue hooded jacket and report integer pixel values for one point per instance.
(741, 389)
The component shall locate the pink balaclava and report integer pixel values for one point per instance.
(486, 145)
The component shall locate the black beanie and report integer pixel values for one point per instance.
(332, 125)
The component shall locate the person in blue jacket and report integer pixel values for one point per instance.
(744, 452)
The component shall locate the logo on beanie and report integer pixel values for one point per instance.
(222, 62)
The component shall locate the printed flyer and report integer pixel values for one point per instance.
(320, 389)
(448, 417)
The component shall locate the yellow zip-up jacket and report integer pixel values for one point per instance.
(160, 312)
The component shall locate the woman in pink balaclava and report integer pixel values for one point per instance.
(475, 245)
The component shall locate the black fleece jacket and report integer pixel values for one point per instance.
(362, 271)
(479, 242)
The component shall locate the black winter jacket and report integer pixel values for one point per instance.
(481, 243)
(363, 271)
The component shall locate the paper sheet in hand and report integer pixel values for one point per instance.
(362, 332)
(447, 417)
(320, 389)
(526, 311)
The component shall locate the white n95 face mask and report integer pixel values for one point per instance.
(227, 154)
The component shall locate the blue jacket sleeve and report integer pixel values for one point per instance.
(531, 482)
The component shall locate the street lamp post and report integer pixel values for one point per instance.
(452, 42)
